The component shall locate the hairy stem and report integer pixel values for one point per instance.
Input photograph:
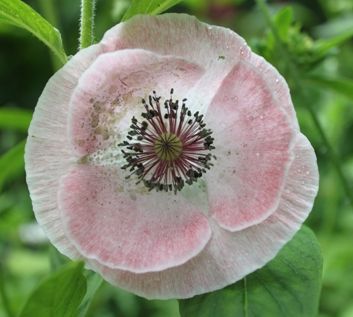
(298, 83)
(87, 23)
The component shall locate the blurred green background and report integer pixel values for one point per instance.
(315, 56)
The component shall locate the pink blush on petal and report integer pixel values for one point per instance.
(139, 233)
(253, 140)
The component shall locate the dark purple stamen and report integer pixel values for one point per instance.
(170, 147)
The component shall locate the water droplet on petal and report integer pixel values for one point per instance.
(244, 51)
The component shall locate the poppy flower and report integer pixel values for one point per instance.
(168, 157)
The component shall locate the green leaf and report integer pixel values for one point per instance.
(151, 7)
(342, 86)
(59, 295)
(94, 282)
(322, 46)
(21, 15)
(15, 119)
(283, 21)
(288, 286)
(11, 163)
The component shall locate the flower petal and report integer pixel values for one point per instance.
(279, 86)
(229, 256)
(138, 232)
(110, 92)
(217, 49)
(253, 140)
(48, 154)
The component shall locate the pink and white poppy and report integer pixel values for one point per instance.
(168, 157)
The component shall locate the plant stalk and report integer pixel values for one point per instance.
(87, 23)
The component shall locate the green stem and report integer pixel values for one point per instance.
(333, 156)
(3, 294)
(298, 83)
(245, 306)
(87, 23)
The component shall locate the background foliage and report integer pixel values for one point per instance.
(308, 41)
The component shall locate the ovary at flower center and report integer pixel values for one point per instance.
(168, 147)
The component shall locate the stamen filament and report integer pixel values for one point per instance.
(170, 148)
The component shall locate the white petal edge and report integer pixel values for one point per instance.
(279, 86)
(48, 153)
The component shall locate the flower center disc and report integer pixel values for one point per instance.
(170, 147)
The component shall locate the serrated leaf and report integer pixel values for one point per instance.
(11, 163)
(342, 86)
(15, 119)
(22, 15)
(59, 295)
(151, 7)
(288, 286)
